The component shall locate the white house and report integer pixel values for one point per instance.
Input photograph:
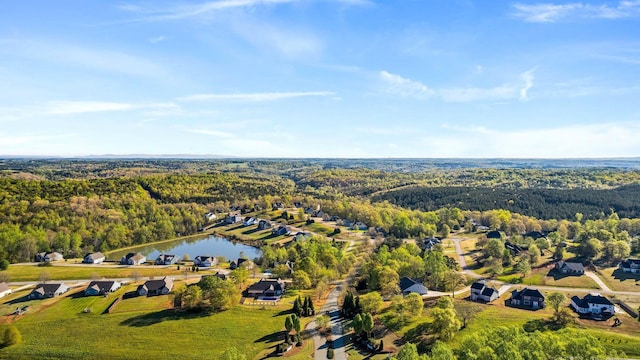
(481, 292)
(249, 220)
(631, 266)
(594, 304)
(205, 261)
(94, 258)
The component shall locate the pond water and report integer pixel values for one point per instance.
(209, 246)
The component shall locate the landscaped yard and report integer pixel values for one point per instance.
(618, 280)
(539, 277)
(64, 331)
(59, 272)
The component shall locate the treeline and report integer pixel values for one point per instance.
(539, 203)
(79, 216)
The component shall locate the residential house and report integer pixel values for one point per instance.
(359, 226)
(205, 261)
(101, 287)
(249, 220)
(297, 204)
(266, 288)
(569, 268)
(166, 259)
(133, 259)
(631, 266)
(480, 291)
(495, 234)
(4, 289)
(233, 218)
(335, 218)
(156, 287)
(593, 304)
(302, 235)
(248, 264)
(346, 223)
(429, 243)
(281, 230)
(527, 298)
(309, 210)
(276, 206)
(264, 225)
(43, 291)
(482, 228)
(320, 214)
(48, 257)
(93, 258)
(515, 249)
(210, 216)
(409, 285)
(535, 235)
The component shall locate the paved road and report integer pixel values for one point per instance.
(598, 281)
(462, 261)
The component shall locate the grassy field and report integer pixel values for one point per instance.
(59, 272)
(319, 228)
(62, 330)
(539, 277)
(620, 281)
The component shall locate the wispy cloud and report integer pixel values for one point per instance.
(157, 39)
(7, 140)
(398, 85)
(214, 133)
(80, 107)
(255, 97)
(211, 7)
(550, 12)
(527, 77)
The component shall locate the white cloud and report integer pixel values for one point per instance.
(255, 97)
(400, 86)
(157, 39)
(405, 87)
(7, 141)
(527, 77)
(79, 107)
(550, 12)
(214, 133)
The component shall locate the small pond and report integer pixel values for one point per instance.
(209, 246)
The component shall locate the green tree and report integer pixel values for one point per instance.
(413, 304)
(240, 275)
(357, 324)
(453, 279)
(556, 300)
(440, 351)
(523, 267)
(389, 280)
(371, 302)
(408, 352)
(559, 252)
(534, 253)
(192, 297)
(445, 323)
(301, 280)
(466, 311)
(494, 248)
(367, 324)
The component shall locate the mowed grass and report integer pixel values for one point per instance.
(539, 277)
(58, 272)
(618, 280)
(63, 331)
(319, 228)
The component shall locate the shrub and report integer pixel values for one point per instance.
(12, 336)
(4, 264)
(329, 353)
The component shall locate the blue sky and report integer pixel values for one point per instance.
(321, 78)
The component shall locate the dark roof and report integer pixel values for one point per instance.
(488, 291)
(627, 263)
(154, 285)
(527, 292)
(495, 234)
(266, 284)
(47, 288)
(406, 283)
(579, 302)
(478, 285)
(101, 285)
(597, 299)
(573, 266)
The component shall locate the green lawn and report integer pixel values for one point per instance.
(319, 228)
(57, 272)
(620, 281)
(63, 331)
(539, 277)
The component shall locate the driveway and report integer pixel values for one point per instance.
(598, 281)
(462, 261)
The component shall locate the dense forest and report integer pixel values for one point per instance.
(77, 206)
(539, 203)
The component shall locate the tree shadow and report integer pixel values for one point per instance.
(541, 325)
(273, 337)
(283, 312)
(18, 300)
(416, 334)
(163, 315)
